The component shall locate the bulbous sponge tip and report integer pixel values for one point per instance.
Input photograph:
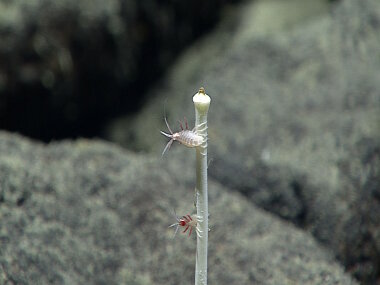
(201, 97)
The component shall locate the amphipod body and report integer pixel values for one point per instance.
(187, 222)
(185, 137)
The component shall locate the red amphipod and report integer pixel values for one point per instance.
(187, 222)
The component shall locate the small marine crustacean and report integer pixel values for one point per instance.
(189, 138)
(187, 222)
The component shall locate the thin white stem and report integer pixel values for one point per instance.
(202, 103)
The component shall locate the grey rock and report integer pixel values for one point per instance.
(294, 123)
(89, 212)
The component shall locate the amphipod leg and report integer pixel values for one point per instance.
(186, 229)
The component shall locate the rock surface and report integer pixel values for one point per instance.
(294, 123)
(88, 212)
(67, 66)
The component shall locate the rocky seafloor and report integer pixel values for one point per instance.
(294, 146)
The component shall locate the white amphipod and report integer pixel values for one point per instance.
(185, 137)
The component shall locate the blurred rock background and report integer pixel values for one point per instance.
(67, 67)
(294, 131)
(295, 120)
